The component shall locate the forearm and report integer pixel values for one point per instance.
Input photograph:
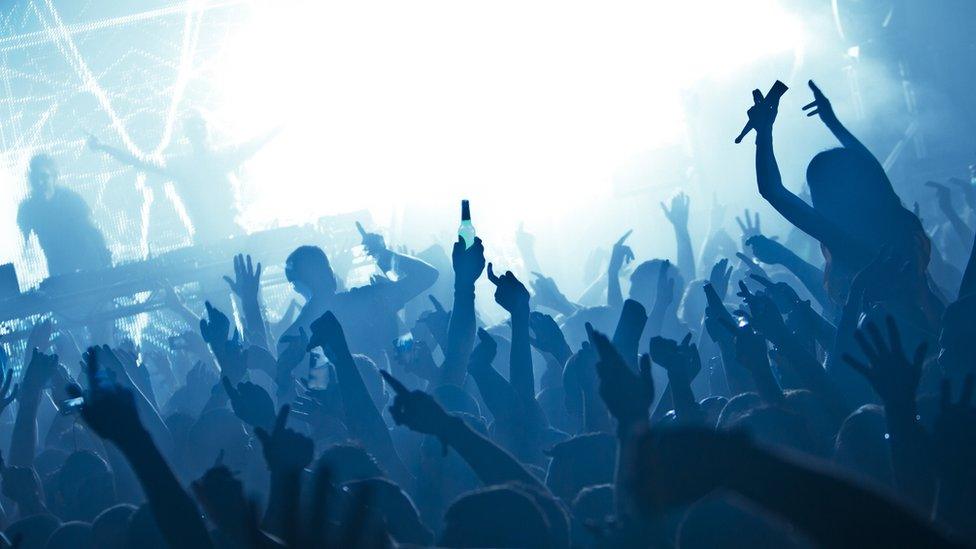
(281, 515)
(177, 516)
(23, 441)
(766, 385)
(460, 336)
(790, 206)
(364, 420)
(686, 255)
(685, 406)
(552, 378)
(129, 159)
(255, 328)
(736, 377)
(811, 277)
(615, 298)
(491, 463)
(497, 393)
(520, 362)
(414, 276)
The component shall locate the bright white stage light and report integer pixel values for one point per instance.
(398, 106)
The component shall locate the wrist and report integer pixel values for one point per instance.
(464, 288)
(520, 314)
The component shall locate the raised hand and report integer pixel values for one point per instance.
(509, 292)
(762, 114)
(251, 403)
(621, 254)
(222, 496)
(468, 263)
(40, 336)
(889, 371)
(678, 213)
(546, 293)
(665, 287)
(285, 450)
(768, 250)
(764, 314)
(484, 352)
(247, 278)
(750, 227)
(782, 294)
(416, 410)
(39, 371)
(720, 276)
(548, 337)
(438, 320)
(376, 247)
(681, 361)
(716, 316)
(109, 409)
(751, 264)
(215, 327)
(820, 104)
(628, 395)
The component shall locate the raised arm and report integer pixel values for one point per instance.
(821, 105)
(419, 412)
(23, 442)
(620, 256)
(127, 158)
(762, 115)
(360, 414)
(110, 411)
(234, 156)
(895, 379)
(413, 275)
(468, 265)
(677, 215)
(246, 284)
(514, 298)
(772, 252)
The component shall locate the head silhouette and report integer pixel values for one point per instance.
(497, 516)
(197, 130)
(579, 462)
(309, 271)
(42, 175)
(643, 282)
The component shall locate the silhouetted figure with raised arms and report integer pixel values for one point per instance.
(202, 177)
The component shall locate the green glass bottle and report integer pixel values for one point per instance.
(466, 230)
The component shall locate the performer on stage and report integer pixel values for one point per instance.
(202, 177)
(62, 222)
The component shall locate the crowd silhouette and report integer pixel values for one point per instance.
(751, 395)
